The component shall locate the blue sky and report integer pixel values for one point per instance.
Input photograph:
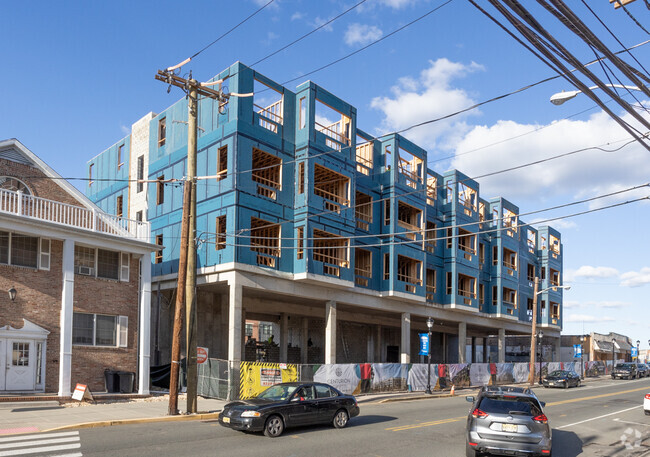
(77, 74)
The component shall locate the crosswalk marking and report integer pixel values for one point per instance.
(42, 444)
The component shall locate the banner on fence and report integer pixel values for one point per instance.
(389, 376)
(479, 374)
(258, 376)
(417, 376)
(345, 377)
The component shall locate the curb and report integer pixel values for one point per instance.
(180, 418)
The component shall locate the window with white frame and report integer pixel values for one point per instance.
(100, 330)
(24, 250)
(101, 263)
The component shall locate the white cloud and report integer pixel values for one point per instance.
(636, 278)
(429, 96)
(125, 130)
(361, 34)
(587, 318)
(572, 304)
(398, 4)
(318, 21)
(297, 16)
(589, 272)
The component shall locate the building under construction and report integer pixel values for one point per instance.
(342, 243)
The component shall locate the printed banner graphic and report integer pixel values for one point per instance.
(345, 377)
(256, 377)
(389, 376)
(417, 376)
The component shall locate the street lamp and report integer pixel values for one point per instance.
(541, 354)
(582, 364)
(561, 97)
(429, 326)
(637, 350)
(12, 294)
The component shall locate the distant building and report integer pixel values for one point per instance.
(306, 220)
(74, 283)
(609, 347)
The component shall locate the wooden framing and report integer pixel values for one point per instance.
(221, 233)
(266, 169)
(364, 158)
(300, 250)
(331, 249)
(363, 210)
(431, 284)
(510, 259)
(222, 163)
(409, 218)
(409, 271)
(411, 167)
(467, 241)
(362, 266)
(331, 185)
(265, 237)
(430, 237)
(432, 190)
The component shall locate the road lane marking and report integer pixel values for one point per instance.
(593, 397)
(70, 439)
(40, 450)
(39, 436)
(599, 417)
(630, 422)
(425, 424)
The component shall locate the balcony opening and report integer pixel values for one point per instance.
(265, 240)
(334, 125)
(431, 284)
(467, 198)
(555, 246)
(408, 218)
(510, 260)
(531, 241)
(332, 250)
(467, 243)
(362, 266)
(221, 233)
(554, 277)
(268, 104)
(363, 210)
(432, 189)
(411, 167)
(430, 237)
(364, 155)
(267, 170)
(331, 185)
(466, 288)
(530, 273)
(409, 271)
(510, 297)
(510, 222)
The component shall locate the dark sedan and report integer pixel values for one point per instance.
(290, 404)
(561, 378)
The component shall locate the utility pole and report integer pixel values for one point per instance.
(193, 89)
(533, 336)
(180, 305)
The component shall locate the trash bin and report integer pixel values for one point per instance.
(111, 381)
(127, 379)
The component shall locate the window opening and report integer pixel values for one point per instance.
(408, 218)
(120, 150)
(222, 163)
(481, 214)
(466, 288)
(555, 311)
(266, 171)
(159, 253)
(495, 255)
(140, 184)
(481, 294)
(334, 125)
(330, 249)
(450, 192)
(221, 233)
(303, 112)
(300, 251)
(301, 178)
(331, 185)
(448, 283)
(481, 253)
(118, 205)
(386, 266)
(90, 174)
(387, 211)
(362, 266)
(555, 246)
(364, 152)
(510, 221)
(554, 277)
(363, 210)
(510, 260)
(388, 154)
(467, 198)
(430, 237)
(160, 190)
(265, 240)
(432, 189)
(24, 250)
(162, 131)
(409, 271)
(108, 264)
(268, 104)
(411, 167)
(431, 284)
(450, 238)
(530, 273)
(531, 241)
(510, 297)
(467, 242)
(495, 297)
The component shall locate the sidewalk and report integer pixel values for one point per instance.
(33, 414)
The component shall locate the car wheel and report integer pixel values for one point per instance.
(340, 419)
(647, 412)
(274, 427)
(578, 383)
(470, 451)
(566, 384)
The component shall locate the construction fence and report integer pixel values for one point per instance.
(242, 380)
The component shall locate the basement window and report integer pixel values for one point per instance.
(266, 171)
(265, 240)
(362, 266)
(408, 218)
(409, 271)
(331, 185)
(363, 210)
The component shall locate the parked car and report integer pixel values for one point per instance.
(507, 421)
(625, 370)
(290, 404)
(562, 378)
(646, 404)
(643, 370)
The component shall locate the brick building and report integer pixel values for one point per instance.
(75, 283)
(347, 242)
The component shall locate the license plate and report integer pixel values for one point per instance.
(226, 420)
(508, 427)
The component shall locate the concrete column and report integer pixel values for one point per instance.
(235, 298)
(379, 345)
(444, 348)
(330, 332)
(502, 345)
(67, 296)
(243, 334)
(304, 341)
(223, 326)
(558, 350)
(145, 324)
(474, 354)
(284, 337)
(486, 350)
(405, 347)
(462, 342)
(370, 348)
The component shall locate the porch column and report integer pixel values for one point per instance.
(502, 345)
(405, 347)
(284, 337)
(65, 350)
(145, 324)
(462, 342)
(330, 332)
(474, 352)
(234, 320)
(304, 341)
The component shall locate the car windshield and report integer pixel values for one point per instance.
(508, 405)
(558, 373)
(626, 366)
(277, 392)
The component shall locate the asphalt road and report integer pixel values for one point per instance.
(586, 421)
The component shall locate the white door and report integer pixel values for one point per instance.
(3, 362)
(20, 365)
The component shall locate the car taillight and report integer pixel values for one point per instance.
(647, 396)
(546, 451)
(478, 413)
(541, 419)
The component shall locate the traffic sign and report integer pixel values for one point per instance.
(201, 354)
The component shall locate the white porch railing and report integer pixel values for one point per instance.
(71, 216)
